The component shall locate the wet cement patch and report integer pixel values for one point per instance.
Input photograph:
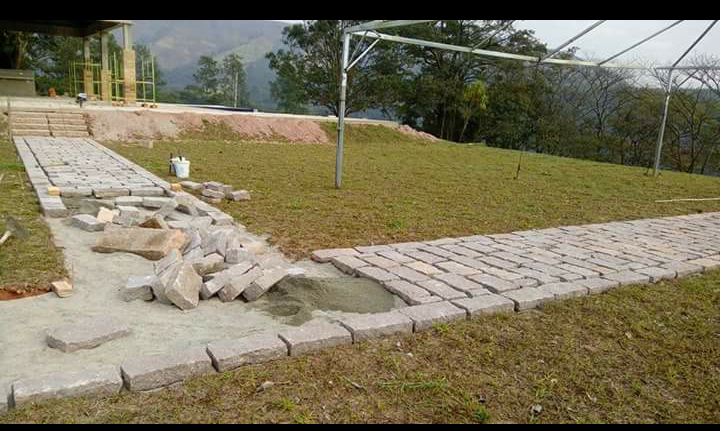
(293, 299)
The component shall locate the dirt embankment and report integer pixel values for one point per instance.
(125, 126)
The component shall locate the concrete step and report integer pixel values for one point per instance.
(71, 134)
(65, 121)
(40, 121)
(30, 132)
(69, 127)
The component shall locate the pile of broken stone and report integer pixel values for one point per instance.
(199, 251)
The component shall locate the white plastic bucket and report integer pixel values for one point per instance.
(182, 168)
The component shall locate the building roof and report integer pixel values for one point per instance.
(62, 27)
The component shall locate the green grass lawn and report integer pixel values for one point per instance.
(634, 354)
(33, 263)
(399, 189)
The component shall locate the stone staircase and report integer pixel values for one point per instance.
(66, 124)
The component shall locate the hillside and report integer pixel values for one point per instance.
(179, 43)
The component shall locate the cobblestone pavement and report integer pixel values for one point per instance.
(81, 167)
(533, 266)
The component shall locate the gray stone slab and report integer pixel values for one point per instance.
(494, 284)
(564, 290)
(426, 315)
(459, 282)
(628, 277)
(260, 285)
(230, 354)
(377, 325)
(87, 223)
(139, 287)
(220, 219)
(485, 304)
(147, 191)
(456, 268)
(528, 297)
(96, 381)
(683, 269)
(598, 284)
(348, 264)
(408, 274)
(706, 264)
(325, 255)
(656, 273)
(237, 283)
(438, 288)
(409, 292)
(424, 268)
(110, 192)
(87, 333)
(314, 336)
(143, 373)
(378, 274)
(129, 201)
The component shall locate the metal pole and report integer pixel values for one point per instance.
(236, 87)
(658, 148)
(573, 39)
(341, 112)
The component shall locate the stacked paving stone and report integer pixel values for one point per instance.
(58, 124)
(214, 192)
(532, 267)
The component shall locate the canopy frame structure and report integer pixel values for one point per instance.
(370, 30)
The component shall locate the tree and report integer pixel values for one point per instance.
(311, 66)
(474, 102)
(207, 78)
(233, 80)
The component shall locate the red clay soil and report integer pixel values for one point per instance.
(9, 295)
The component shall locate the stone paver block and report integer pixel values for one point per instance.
(129, 201)
(706, 263)
(220, 219)
(139, 287)
(237, 283)
(347, 264)
(143, 373)
(227, 355)
(459, 282)
(528, 297)
(380, 262)
(683, 269)
(191, 185)
(110, 192)
(86, 334)
(423, 268)
(62, 288)
(438, 288)
(426, 315)
(409, 292)
(97, 381)
(147, 191)
(494, 284)
(456, 268)
(325, 255)
(628, 277)
(183, 290)
(74, 192)
(87, 223)
(105, 215)
(396, 257)
(214, 194)
(260, 285)
(186, 204)
(377, 325)
(598, 285)
(377, 274)
(408, 274)
(239, 195)
(209, 264)
(373, 248)
(152, 244)
(314, 336)
(564, 290)
(656, 273)
(485, 304)
(154, 202)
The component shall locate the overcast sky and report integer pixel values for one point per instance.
(614, 36)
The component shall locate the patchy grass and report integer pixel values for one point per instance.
(398, 188)
(30, 264)
(636, 354)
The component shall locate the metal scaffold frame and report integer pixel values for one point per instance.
(370, 30)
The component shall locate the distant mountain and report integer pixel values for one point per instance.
(178, 44)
